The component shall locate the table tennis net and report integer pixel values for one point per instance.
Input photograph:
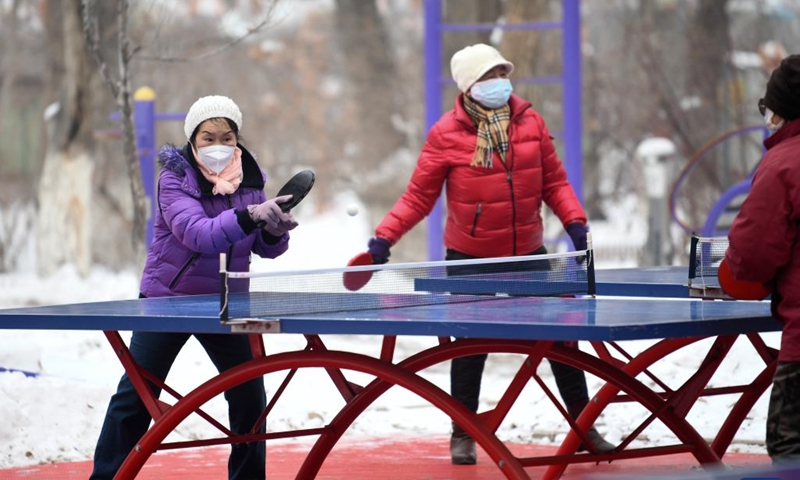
(705, 255)
(276, 294)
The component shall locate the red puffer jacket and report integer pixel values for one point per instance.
(763, 239)
(491, 212)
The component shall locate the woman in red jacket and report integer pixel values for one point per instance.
(495, 157)
(764, 247)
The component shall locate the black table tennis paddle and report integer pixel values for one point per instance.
(298, 187)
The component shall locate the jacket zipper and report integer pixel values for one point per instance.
(475, 221)
(510, 167)
(230, 249)
(183, 269)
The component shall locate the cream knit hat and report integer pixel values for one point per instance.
(212, 106)
(470, 63)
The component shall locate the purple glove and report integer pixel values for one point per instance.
(271, 218)
(379, 249)
(577, 233)
(287, 223)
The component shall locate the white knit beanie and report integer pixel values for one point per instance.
(212, 106)
(471, 63)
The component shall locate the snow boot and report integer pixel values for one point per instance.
(600, 444)
(462, 447)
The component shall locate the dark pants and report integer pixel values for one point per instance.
(127, 420)
(466, 372)
(783, 416)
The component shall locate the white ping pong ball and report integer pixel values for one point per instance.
(352, 209)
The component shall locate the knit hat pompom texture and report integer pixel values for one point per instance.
(783, 89)
(469, 64)
(212, 106)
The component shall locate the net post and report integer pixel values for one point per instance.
(693, 258)
(223, 288)
(591, 287)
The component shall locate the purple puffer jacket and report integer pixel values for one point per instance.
(193, 226)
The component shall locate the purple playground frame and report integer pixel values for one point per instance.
(144, 122)
(570, 80)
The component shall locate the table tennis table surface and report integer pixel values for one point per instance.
(666, 312)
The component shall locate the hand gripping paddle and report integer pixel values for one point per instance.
(740, 289)
(356, 280)
(298, 187)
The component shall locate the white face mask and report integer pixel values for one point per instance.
(773, 127)
(216, 157)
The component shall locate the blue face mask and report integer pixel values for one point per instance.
(492, 93)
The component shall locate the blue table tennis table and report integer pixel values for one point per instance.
(658, 305)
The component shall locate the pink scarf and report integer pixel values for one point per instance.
(228, 179)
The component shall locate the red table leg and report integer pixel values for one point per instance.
(393, 374)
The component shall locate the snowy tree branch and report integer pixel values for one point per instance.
(258, 27)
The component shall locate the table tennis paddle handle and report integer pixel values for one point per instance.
(298, 187)
(262, 223)
(285, 207)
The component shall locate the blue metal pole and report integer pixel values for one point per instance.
(573, 118)
(433, 109)
(145, 125)
(181, 116)
(508, 27)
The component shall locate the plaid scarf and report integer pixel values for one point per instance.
(492, 131)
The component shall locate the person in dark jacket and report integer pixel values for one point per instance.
(210, 200)
(495, 156)
(764, 247)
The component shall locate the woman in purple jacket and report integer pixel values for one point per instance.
(210, 200)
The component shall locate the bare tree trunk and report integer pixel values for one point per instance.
(467, 12)
(537, 53)
(710, 48)
(65, 188)
(9, 62)
(120, 87)
(370, 68)
(373, 105)
(125, 102)
(524, 47)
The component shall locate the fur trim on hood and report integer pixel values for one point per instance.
(172, 158)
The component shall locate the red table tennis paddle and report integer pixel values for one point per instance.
(298, 187)
(354, 281)
(740, 289)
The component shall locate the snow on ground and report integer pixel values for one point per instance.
(56, 416)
